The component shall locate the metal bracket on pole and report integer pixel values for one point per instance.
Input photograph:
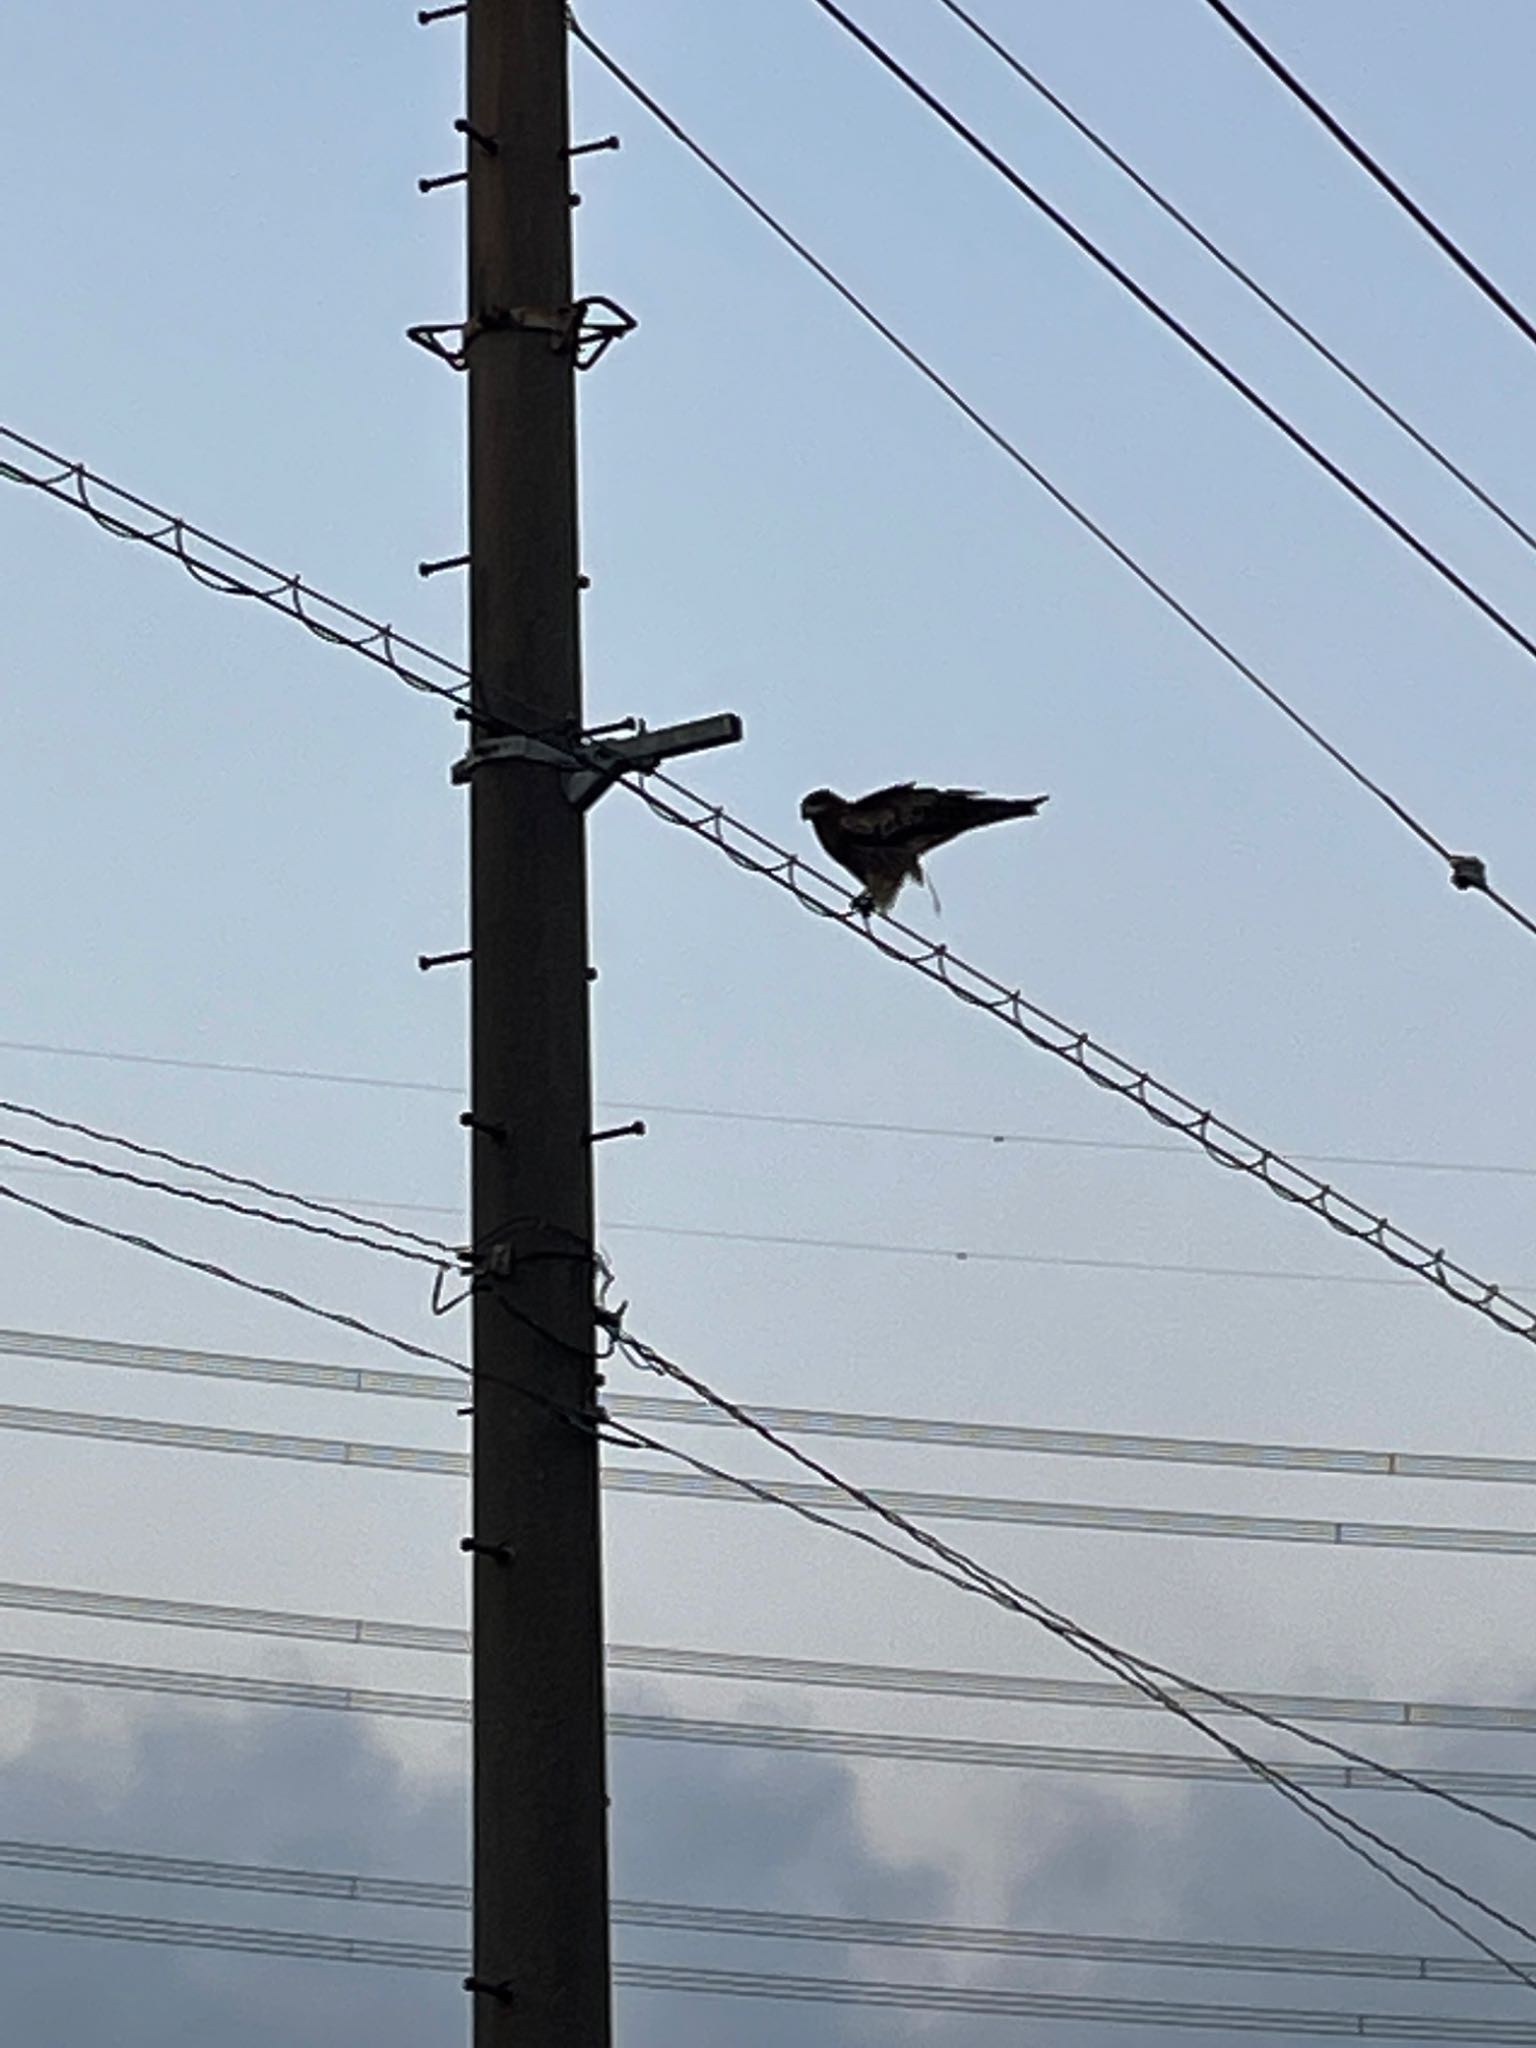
(572, 330)
(593, 766)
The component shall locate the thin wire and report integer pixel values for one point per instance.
(1234, 269)
(361, 1889)
(666, 1484)
(718, 1113)
(191, 1066)
(215, 1272)
(975, 1582)
(72, 484)
(1124, 1662)
(774, 1240)
(1016, 455)
(1373, 169)
(121, 1175)
(734, 1733)
(987, 1137)
(750, 850)
(963, 1256)
(822, 1674)
(860, 1426)
(1151, 304)
(234, 1180)
(1134, 1671)
(777, 1986)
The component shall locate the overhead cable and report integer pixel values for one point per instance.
(679, 1917)
(777, 1986)
(1368, 163)
(221, 1175)
(723, 1113)
(1223, 1143)
(836, 1422)
(735, 1489)
(66, 1167)
(73, 1165)
(735, 1733)
(1466, 870)
(229, 570)
(743, 1668)
(933, 1557)
(232, 1279)
(1235, 270)
(1149, 303)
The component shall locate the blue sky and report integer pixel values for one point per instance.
(228, 842)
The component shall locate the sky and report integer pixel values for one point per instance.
(229, 843)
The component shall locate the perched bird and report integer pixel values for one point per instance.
(881, 838)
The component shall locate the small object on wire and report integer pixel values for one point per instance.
(436, 568)
(634, 1130)
(428, 960)
(437, 184)
(588, 148)
(427, 15)
(481, 141)
(1468, 871)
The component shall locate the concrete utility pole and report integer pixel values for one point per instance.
(540, 1975)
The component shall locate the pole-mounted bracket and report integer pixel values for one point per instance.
(572, 330)
(593, 766)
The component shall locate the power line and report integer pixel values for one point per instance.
(864, 1427)
(217, 1272)
(962, 1255)
(674, 1916)
(1235, 270)
(1223, 1143)
(773, 1240)
(972, 1577)
(1149, 303)
(734, 1733)
(72, 1165)
(938, 1559)
(229, 1365)
(1373, 169)
(708, 1477)
(735, 1489)
(220, 1174)
(715, 1112)
(778, 1986)
(194, 1066)
(222, 567)
(1466, 871)
(822, 1674)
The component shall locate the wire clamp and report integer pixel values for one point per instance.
(1468, 871)
(593, 765)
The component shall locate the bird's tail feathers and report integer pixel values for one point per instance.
(992, 810)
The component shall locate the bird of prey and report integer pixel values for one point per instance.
(881, 838)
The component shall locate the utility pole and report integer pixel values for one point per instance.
(541, 1970)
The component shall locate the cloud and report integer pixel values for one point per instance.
(711, 1826)
(316, 1790)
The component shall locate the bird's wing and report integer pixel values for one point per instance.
(874, 818)
(911, 817)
